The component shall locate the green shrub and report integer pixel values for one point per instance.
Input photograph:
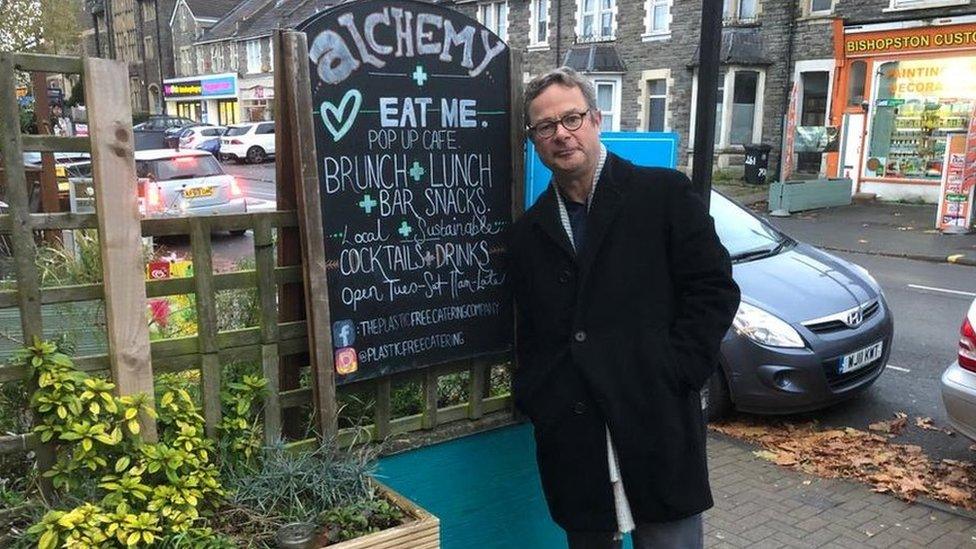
(298, 486)
(144, 491)
(360, 519)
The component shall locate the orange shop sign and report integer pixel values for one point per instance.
(914, 40)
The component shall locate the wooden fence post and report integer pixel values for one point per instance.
(294, 64)
(18, 196)
(291, 295)
(119, 229)
(22, 234)
(206, 323)
(265, 264)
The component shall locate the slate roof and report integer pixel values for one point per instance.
(595, 58)
(254, 18)
(211, 9)
(740, 46)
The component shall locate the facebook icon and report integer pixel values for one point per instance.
(343, 333)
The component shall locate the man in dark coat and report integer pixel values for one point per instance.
(623, 293)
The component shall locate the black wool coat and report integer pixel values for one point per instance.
(623, 334)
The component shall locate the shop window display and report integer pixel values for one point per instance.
(917, 103)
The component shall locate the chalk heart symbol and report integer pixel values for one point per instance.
(342, 116)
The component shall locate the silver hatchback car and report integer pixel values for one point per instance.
(186, 182)
(959, 380)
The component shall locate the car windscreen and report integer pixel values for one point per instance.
(181, 167)
(237, 130)
(742, 234)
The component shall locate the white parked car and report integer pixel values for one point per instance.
(959, 380)
(194, 135)
(252, 142)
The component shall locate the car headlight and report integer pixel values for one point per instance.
(765, 328)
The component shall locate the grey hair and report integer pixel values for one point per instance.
(564, 76)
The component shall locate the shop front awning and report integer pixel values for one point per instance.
(740, 46)
(594, 58)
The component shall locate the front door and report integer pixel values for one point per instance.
(852, 143)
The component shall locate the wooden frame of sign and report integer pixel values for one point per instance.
(405, 196)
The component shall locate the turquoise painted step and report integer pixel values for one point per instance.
(484, 488)
(797, 196)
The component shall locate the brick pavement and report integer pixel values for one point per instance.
(761, 505)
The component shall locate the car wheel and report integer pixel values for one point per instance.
(255, 155)
(715, 399)
(238, 232)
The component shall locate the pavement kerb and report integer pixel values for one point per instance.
(955, 259)
(923, 501)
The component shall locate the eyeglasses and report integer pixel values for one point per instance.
(547, 129)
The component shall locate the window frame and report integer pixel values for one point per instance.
(186, 60)
(723, 126)
(646, 96)
(534, 21)
(252, 62)
(903, 5)
(816, 13)
(650, 33)
(494, 8)
(734, 15)
(201, 61)
(271, 60)
(597, 13)
(216, 58)
(616, 81)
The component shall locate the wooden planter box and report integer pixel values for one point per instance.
(424, 532)
(796, 196)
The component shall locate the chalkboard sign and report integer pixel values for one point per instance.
(412, 131)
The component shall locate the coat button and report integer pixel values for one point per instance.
(565, 276)
(580, 336)
(579, 408)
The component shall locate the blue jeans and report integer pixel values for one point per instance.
(686, 533)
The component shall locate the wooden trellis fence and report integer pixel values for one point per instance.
(281, 340)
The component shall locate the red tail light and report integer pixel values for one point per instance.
(153, 200)
(236, 142)
(235, 188)
(967, 346)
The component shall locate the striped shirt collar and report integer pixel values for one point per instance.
(563, 214)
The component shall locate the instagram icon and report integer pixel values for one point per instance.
(346, 361)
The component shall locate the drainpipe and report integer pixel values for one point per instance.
(98, 44)
(789, 79)
(110, 29)
(559, 31)
(159, 49)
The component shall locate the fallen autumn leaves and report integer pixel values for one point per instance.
(901, 469)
